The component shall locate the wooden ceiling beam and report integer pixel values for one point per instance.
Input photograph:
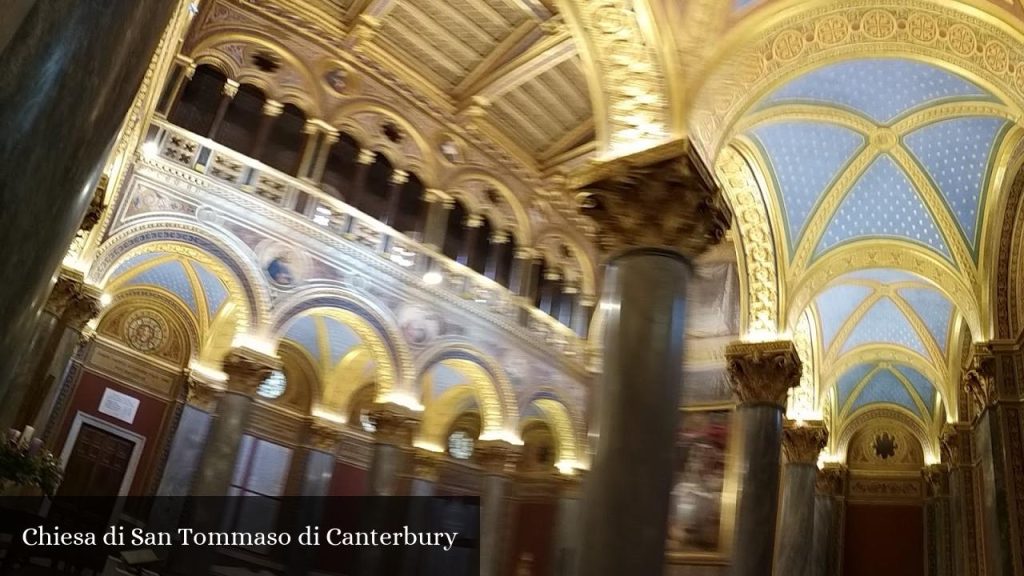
(542, 56)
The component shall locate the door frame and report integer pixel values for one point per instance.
(137, 440)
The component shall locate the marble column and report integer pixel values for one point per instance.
(584, 313)
(392, 445)
(801, 443)
(397, 182)
(245, 370)
(761, 375)
(467, 252)
(435, 228)
(355, 196)
(829, 520)
(71, 305)
(497, 458)
(272, 110)
(958, 451)
(422, 515)
(319, 445)
(70, 70)
(497, 261)
(565, 558)
(938, 541)
(655, 212)
(996, 389)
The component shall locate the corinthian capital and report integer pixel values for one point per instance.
(763, 372)
(73, 301)
(936, 476)
(246, 369)
(803, 443)
(395, 424)
(831, 480)
(980, 379)
(662, 197)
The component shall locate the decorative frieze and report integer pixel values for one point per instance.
(763, 372)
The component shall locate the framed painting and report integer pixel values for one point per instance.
(702, 505)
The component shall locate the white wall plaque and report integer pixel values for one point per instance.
(120, 406)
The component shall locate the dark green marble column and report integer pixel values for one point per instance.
(938, 541)
(70, 71)
(802, 444)
(625, 510)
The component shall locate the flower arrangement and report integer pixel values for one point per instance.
(24, 462)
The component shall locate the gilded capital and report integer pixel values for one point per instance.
(980, 379)
(763, 372)
(662, 197)
(496, 456)
(831, 480)
(73, 301)
(202, 394)
(803, 444)
(936, 477)
(427, 464)
(948, 445)
(395, 424)
(246, 369)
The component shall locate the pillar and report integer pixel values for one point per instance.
(394, 200)
(829, 520)
(497, 458)
(467, 252)
(245, 370)
(584, 313)
(189, 438)
(182, 71)
(355, 196)
(626, 501)
(435, 226)
(272, 109)
(392, 443)
(996, 388)
(938, 543)
(321, 441)
(801, 444)
(958, 451)
(71, 305)
(761, 375)
(228, 93)
(565, 558)
(71, 70)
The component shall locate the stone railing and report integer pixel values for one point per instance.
(171, 143)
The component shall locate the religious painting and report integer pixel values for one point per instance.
(696, 513)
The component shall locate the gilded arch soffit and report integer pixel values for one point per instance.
(554, 413)
(864, 419)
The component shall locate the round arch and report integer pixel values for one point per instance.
(413, 154)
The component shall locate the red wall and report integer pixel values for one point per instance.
(348, 480)
(884, 540)
(149, 421)
(534, 534)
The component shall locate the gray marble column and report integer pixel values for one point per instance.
(761, 375)
(995, 388)
(565, 558)
(795, 547)
(958, 452)
(71, 305)
(314, 482)
(435, 228)
(497, 458)
(829, 508)
(938, 543)
(245, 370)
(625, 513)
(70, 71)
(392, 446)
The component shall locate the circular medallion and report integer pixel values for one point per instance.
(145, 331)
(832, 30)
(878, 24)
(961, 39)
(996, 57)
(922, 27)
(788, 45)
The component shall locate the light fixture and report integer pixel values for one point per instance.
(150, 149)
(106, 299)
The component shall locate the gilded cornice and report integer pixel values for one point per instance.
(763, 372)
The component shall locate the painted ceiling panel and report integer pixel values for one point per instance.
(880, 88)
(304, 333)
(135, 261)
(883, 204)
(802, 177)
(884, 324)
(884, 388)
(340, 338)
(172, 277)
(214, 290)
(921, 384)
(934, 310)
(956, 154)
(835, 305)
(849, 380)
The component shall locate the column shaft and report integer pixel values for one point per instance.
(70, 72)
(795, 553)
(496, 457)
(627, 493)
(436, 226)
(761, 375)
(392, 444)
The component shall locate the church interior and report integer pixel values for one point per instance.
(679, 287)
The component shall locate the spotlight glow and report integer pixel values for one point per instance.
(432, 278)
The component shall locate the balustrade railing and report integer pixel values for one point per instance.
(202, 155)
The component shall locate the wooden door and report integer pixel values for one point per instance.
(97, 464)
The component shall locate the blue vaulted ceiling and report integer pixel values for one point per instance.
(887, 307)
(324, 338)
(880, 383)
(192, 282)
(909, 166)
